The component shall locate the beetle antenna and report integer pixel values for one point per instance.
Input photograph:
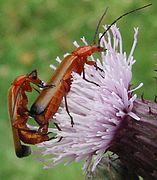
(98, 25)
(125, 14)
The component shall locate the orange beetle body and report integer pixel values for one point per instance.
(49, 100)
(19, 114)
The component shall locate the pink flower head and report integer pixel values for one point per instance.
(98, 109)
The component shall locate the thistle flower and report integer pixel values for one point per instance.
(101, 109)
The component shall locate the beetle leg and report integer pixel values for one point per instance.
(83, 72)
(43, 129)
(57, 126)
(67, 110)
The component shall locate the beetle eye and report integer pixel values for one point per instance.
(33, 75)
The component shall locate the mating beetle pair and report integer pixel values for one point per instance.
(49, 99)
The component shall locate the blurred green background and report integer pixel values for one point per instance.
(34, 32)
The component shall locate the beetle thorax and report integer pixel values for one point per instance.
(19, 80)
(85, 51)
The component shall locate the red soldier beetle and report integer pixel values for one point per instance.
(49, 100)
(19, 114)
